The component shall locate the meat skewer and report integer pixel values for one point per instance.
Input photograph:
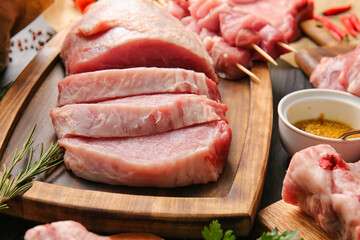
(238, 28)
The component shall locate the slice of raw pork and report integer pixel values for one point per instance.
(192, 155)
(326, 188)
(135, 116)
(109, 84)
(132, 33)
(340, 73)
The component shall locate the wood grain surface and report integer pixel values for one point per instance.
(276, 214)
(180, 212)
(318, 33)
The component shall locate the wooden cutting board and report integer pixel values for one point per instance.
(287, 217)
(179, 212)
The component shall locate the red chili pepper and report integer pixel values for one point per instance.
(326, 21)
(336, 35)
(81, 4)
(355, 21)
(348, 25)
(336, 10)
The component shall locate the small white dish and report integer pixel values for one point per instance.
(309, 104)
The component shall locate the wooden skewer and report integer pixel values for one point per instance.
(286, 46)
(158, 3)
(264, 54)
(248, 72)
(162, 2)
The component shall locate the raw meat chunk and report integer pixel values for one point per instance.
(135, 116)
(326, 188)
(340, 73)
(109, 84)
(192, 155)
(132, 33)
(71, 230)
(285, 15)
(63, 230)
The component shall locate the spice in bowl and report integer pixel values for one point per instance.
(323, 127)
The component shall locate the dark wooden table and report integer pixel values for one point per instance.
(284, 78)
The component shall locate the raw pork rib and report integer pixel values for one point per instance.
(71, 230)
(327, 188)
(192, 155)
(132, 33)
(340, 73)
(135, 116)
(109, 84)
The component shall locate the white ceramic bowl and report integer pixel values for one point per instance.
(310, 103)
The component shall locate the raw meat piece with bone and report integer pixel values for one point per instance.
(193, 155)
(109, 84)
(326, 188)
(340, 73)
(136, 33)
(135, 116)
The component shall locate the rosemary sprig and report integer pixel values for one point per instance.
(4, 90)
(12, 187)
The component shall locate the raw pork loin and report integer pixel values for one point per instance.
(192, 155)
(340, 73)
(135, 116)
(327, 188)
(132, 33)
(109, 84)
(71, 230)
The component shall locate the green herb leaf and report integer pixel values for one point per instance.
(214, 232)
(274, 235)
(12, 187)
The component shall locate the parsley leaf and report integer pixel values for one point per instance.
(214, 232)
(273, 235)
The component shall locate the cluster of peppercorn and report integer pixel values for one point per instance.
(35, 41)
